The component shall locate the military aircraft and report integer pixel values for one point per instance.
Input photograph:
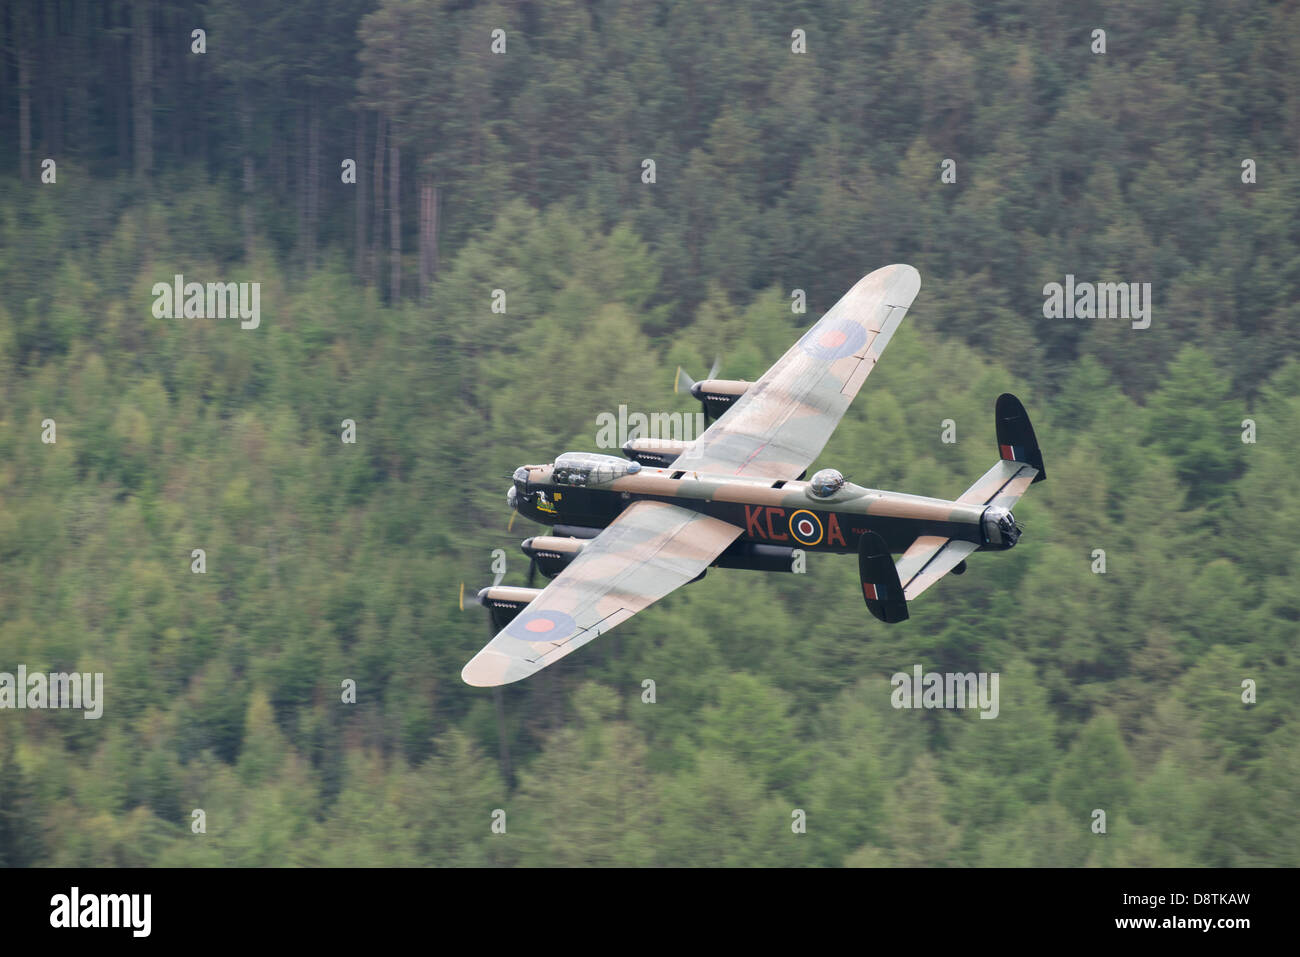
(626, 532)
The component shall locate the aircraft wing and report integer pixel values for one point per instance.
(781, 424)
(651, 549)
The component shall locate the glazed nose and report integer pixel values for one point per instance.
(521, 480)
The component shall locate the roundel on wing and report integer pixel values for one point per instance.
(806, 527)
(540, 625)
(834, 341)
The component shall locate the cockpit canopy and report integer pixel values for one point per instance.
(590, 468)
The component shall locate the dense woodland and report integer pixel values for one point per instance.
(523, 171)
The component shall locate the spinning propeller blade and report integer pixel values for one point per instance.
(684, 382)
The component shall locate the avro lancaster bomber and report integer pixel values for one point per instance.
(626, 532)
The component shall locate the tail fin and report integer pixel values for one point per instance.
(1016, 441)
(880, 585)
(1020, 464)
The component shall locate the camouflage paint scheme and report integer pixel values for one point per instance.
(761, 512)
(737, 483)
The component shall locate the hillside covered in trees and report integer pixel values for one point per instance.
(524, 171)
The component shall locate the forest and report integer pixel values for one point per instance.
(1144, 629)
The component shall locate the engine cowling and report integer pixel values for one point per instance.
(656, 453)
(718, 395)
(505, 602)
(552, 553)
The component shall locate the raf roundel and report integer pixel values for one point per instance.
(806, 527)
(541, 626)
(834, 341)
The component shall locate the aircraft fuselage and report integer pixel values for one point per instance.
(784, 513)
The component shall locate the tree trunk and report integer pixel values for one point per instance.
(24, 111)
(57, 66)
(249, 244)
(201, 132)
(359, 242)
(395, 221)
(300, 181)
(427, 219)
(142, 85)
(313, 180)
(246, 130)
(372, 267)
(433, 232)
(503, 744)
(77, 133)
(121, 94)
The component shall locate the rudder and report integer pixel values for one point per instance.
(1016, 440)
(880, 585)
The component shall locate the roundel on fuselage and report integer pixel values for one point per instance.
(805, 527)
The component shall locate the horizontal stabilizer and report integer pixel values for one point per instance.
(1001, 485)
(928, 559)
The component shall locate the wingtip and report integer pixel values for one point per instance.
(905, 269)
(488, 669)
(902, 279)
(474, 675)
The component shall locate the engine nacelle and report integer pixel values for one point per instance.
(718, 395)
(656, 453)
(552, 553)
(505, 602)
